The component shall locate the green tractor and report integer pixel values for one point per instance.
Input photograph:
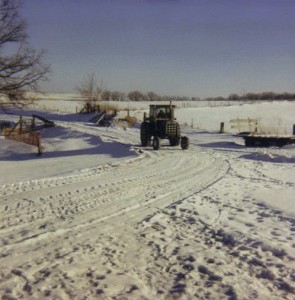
(161, 124)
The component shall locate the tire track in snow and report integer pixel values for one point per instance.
(147, 184)
(54, 221)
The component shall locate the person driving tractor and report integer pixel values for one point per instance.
(161, 114)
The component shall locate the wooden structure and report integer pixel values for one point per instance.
(31, 138)
(103, 118)
(245, 125)
(4, 124)
(25, 131)
(221, 127)
(89, 108)
(46, 122)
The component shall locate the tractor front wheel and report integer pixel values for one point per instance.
(156, 143)
(184, 142)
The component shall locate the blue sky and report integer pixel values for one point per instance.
(172, 47)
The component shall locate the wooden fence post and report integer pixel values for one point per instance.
(38, 142)
(221, 127)
(21, 124)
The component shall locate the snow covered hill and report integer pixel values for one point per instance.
(96, 216)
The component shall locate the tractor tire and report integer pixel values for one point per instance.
(178, 131)
(174, 141)
(249, 142)
(184, 143)
(145, 135)
(156, 143)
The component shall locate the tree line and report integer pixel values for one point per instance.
(92, 90)
(107, 95)
(265, 96)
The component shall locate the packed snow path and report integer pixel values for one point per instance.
(170, 224)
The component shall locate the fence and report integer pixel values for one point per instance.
(31, 138)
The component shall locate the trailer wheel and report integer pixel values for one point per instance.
(156, 143)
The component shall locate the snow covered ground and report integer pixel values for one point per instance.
(96, 216)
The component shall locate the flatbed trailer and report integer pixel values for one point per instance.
(256, 140)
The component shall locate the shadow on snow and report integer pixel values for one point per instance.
(62, 142)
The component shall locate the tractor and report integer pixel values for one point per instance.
(161, 124)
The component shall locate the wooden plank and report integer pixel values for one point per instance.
(46, 122)
(243, 121)
(243, 126)
(100, 118)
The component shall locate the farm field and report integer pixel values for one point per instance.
(97, 216)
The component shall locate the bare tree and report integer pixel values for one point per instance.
(90, 89)
(151, 96)
(20, 66)
(136, 96)
(117, 96)
(233, 97)
(106, 95)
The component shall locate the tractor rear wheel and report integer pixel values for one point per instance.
(145, 136)
(156, 143)
(184, 143)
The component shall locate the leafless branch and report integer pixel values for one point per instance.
(24, 67)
